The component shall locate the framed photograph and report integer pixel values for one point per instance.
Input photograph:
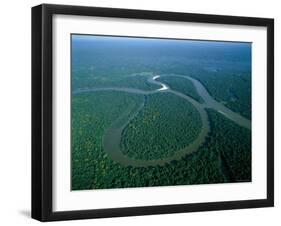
(145, 112)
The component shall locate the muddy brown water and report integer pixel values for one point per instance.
(112, 137)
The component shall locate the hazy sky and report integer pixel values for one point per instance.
(155, 40)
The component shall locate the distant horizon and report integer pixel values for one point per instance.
(95, 37)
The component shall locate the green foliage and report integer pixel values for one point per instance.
(158, 132)
(181, 85)
(91, 115)
(225, 156)
(224, 68)
(234, 146)
(233, 90)
(138, 81)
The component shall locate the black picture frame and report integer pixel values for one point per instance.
(42, 111)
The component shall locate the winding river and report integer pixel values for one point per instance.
(112, 136)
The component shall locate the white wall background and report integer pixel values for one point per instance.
(15, 93)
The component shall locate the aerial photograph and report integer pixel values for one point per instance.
(151, 112)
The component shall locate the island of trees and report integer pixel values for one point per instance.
(157, 132)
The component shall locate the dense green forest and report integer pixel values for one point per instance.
(224, 157)
(182, 85)
(92, 114)
(233, 90)
(138, 81)
(234, 148)
(230, 88)
(157, 132)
